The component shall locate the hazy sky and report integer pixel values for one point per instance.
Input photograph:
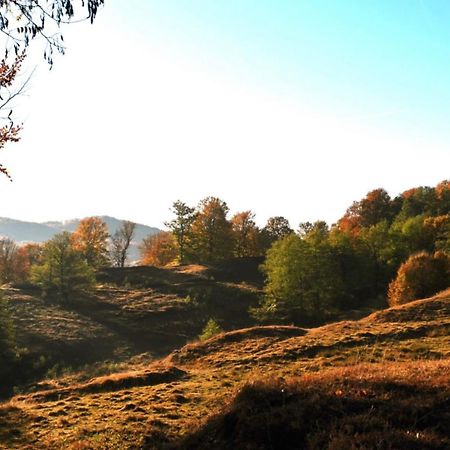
(291, 108)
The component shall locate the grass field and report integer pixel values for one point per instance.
(380, 382)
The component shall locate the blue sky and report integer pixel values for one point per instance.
(291, 108)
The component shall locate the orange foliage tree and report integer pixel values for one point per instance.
(26, 256)
(211, 231)
(159, 249)
(245, 234)
(91, 240)
(420, 276)
(372, 209)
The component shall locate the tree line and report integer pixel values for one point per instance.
(377, 250)
(66, 263)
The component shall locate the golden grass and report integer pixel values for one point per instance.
(400, 355)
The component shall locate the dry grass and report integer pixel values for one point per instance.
(378, 406)
(347, 385)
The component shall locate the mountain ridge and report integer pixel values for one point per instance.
(22, 231)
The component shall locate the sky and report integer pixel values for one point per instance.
(292, 108)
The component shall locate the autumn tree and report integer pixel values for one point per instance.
(91, 240)
(369, 211)
(25, 257)
(181, 227)
(211, 231)
(120, 243)
(245, 234)
(159, 249)
(9, 132)
(23, 22)
(421, 275)
(63, 270)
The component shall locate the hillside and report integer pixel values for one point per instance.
(380, 381)
(136, 312)
(23, 231)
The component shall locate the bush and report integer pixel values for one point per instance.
(420, 276)
(211, 329)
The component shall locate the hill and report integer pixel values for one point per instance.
(23, 232)
(135, 312)
(379, 382)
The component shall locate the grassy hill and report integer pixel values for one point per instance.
(379, 382)
(135, 314)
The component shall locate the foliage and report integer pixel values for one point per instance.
(91, 240)
(372, 209)
(245, 235)
(211, 231)
(277, 227)
(63, 270)
(302, 280)
(8, 350)
(22, 22)
(420, 276)
(211, 329)
(8, 252)
(159, 249)
(15, 262)
(181, 227)
(120, 242)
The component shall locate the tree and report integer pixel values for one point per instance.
(302, 280)
(8, 251)
(8, 132)
(245, 234)
(315, 232)
(420, 276)
(212, 328)
(159, 249)
(25, 257)
(211, 231)
(63, 269)
(91, 240)
(22, 22)
(181, 227)
(120, 243)
(277, 228)
(374, 208)
(8, 348)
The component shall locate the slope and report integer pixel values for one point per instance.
(347, 385)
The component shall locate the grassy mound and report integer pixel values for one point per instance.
(387, 406)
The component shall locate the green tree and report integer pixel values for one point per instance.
(302, 280)
(63, 270)
(181, 227)
(8, 349)
(211, 231)
(212, 328)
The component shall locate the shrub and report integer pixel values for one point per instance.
(211, 329)
(420, 276)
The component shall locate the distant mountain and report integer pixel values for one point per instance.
(23, 232)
